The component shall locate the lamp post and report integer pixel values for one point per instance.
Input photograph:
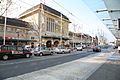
(74, 35)
(5, 24)
(61, 31)
(18, 35)
(40, 22)
(81, 33)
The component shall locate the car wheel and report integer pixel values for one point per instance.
(27, 55)
(5, 57)
(41, 54)
(51, 53)
(63, 52)
(35, 54)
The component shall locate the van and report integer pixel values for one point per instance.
(7, 51)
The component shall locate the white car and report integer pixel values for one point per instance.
(27, 47)
(79, 48)
(62, 50)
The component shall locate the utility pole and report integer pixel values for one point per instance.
(39, 32)
(5, 23)
(61, 31)
(81, 38)
(81, 34)
(41, 22)
(74, 35)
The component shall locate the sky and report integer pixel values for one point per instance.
(80, 13)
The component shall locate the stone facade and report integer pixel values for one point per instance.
(46, 24)
(16, 31)
(79, 38)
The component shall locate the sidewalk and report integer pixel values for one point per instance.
(109, 71)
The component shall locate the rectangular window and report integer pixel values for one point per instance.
(12, 48)
(4, 48)
(8, 29)
(19, 48)
(13, 30)
(47, 29)
(32, 37)
(1, 28)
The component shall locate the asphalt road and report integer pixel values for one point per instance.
(21, 66)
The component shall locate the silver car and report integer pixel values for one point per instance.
(39, 51)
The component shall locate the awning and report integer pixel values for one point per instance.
(56, 37)
(74, 42)
(20, 40)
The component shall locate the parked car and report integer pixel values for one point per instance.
(62, 50)
(83, 46)
(7, 51)
(115, 47)
(97, 49)
(28, 47)
(40, 51)
(79, 48)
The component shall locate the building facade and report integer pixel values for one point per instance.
(16, 32)
(49, 26)
(79, 39)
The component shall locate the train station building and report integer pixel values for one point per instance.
(49, 26)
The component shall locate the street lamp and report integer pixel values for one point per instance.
(61, 31)
(109, 10)
(18, 35)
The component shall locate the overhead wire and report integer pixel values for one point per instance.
(66, 10)
(7, 6)
(20, 6)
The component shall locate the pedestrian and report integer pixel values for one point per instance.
(119, 48)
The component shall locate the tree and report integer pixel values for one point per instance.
(4, 5)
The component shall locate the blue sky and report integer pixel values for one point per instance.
(83, 11)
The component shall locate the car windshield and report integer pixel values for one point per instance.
(96, 47)
(62, 48)
(47, 48)
(79, 46)
(39, 48)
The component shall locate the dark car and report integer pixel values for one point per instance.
(97, 49)
(7, 51)
(115, 47)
